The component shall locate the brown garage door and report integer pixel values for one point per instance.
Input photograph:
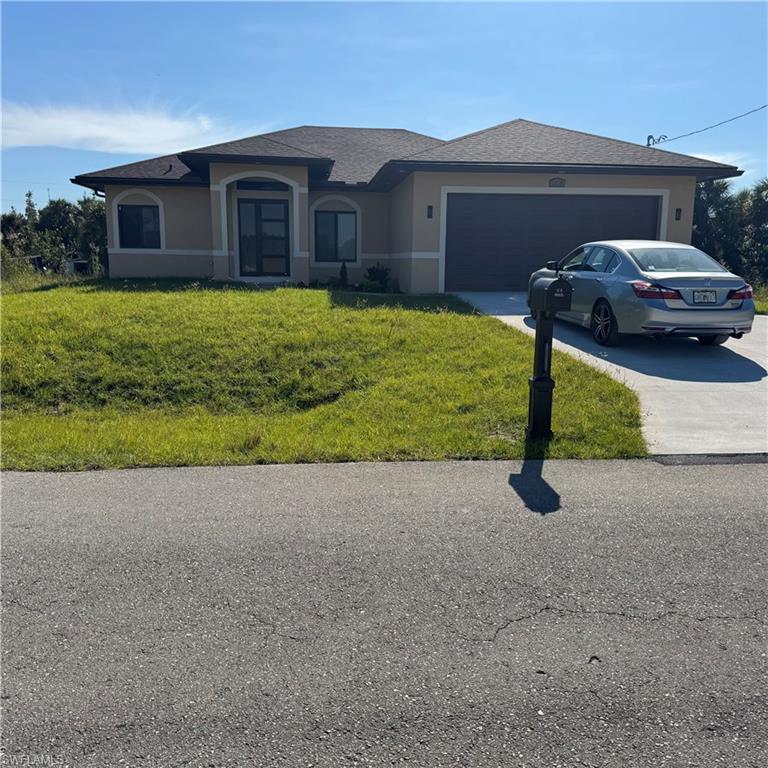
(494, 242)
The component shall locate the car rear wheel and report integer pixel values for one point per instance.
(713, 340)
(605, 330)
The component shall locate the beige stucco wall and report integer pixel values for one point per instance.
(373, 230)
(401, 232)
(186, 226)
(186, 214)
(138, 264)
(418, 275)
(373, 208)
(220, 171)
(401, 212)
(394, 227)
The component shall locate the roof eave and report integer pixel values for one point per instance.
(264, 159)
(400, 168)
(98, 182)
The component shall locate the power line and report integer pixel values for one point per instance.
(664, 140)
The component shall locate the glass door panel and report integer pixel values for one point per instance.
(264, 245)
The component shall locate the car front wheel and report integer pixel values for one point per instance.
(713, 340)
(605, 330)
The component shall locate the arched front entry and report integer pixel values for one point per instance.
(260, 225)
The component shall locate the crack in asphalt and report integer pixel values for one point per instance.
(563, 611)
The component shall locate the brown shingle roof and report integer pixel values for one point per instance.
(255, 146)
(527, 143)
(166, 168)
(356, 155)
(357, 152)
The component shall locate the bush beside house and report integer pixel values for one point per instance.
(38, 245)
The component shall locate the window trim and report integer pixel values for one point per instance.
(353, 207)
(116, 202)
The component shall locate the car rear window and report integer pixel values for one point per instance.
(674, 260)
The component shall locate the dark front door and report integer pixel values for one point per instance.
(495, 241)
(264, 244)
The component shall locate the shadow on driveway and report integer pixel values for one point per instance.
(682, 359)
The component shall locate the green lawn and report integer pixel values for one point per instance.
(140, 373)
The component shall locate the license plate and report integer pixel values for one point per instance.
(705, 297)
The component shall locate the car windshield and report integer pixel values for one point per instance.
(674, 260)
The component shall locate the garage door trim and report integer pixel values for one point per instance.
(445, 191)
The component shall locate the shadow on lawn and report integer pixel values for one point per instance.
(165, 285)
(534, 491)
(338, 298)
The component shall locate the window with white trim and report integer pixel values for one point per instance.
(335, 236)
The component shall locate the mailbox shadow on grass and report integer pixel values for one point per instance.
(534, 491)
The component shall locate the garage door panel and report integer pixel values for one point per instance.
(495, 241)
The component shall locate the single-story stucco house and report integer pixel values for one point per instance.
(479, 212)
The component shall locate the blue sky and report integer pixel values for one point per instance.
(88, 86)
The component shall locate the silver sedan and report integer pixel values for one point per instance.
(652, 288)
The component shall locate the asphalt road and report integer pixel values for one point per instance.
(694, 399)
(449, 614)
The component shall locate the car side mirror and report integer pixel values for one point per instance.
(553, 265)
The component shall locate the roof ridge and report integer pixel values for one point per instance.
(353, 128)
(467, 136)
(620, 141)
(257, 136)
(350, 128)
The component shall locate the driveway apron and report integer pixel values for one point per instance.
(695, 399)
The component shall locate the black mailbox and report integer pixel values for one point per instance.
(548, 296)
(551, 294)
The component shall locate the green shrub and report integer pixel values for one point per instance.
(376, 279)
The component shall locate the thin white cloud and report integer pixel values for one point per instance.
(148, 130)
(741, 160)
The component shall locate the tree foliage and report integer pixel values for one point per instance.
(58, 232)
(733, 227)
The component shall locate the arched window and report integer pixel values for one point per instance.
(137, 215)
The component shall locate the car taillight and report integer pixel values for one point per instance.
(645, 290)
(741, 293)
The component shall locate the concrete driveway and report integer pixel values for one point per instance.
(695, 399)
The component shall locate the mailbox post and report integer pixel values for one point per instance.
(549, 295)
